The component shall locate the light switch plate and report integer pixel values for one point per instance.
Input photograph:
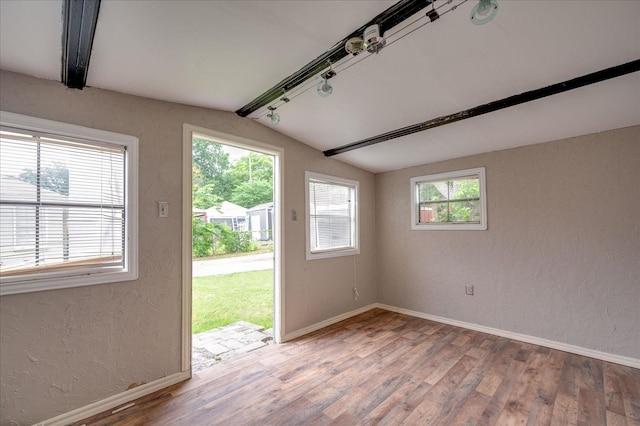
(163, 209)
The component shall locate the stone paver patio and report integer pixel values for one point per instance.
(213, 346)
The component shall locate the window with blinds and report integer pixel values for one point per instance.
(332, 225)
(66, 215)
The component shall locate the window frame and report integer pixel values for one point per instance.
(80, 277)
(449, 226)
(354, 248)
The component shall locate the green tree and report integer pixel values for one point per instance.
(252, 180)
(252, 167)
(465, 211)
(205, 196)
(211, 170)
(250, 194)
(55, 178)
(467, 191)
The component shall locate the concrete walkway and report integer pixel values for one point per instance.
(213, 346)
(229, 265)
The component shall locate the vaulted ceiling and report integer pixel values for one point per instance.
(223, 54)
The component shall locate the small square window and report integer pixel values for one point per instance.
(449, 201)
(332, 216)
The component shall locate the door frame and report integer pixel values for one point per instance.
(188, 132)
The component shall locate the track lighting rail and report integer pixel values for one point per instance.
(510, 101)
(386, 20)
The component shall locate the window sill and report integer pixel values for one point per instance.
(55, 283)
(332, 253)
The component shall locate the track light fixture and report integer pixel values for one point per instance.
(273, 116)
(324, 88)
(373, 39)
(484, 11)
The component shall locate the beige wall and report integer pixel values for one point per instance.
(63, 349)
(560, 259)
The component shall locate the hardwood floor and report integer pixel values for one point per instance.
(386, 368)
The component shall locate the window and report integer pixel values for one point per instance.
(332, 216)
(449, 201)
(68, 205)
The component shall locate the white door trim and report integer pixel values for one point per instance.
(278, 240)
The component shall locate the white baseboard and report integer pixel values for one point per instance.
(115, 400)
(592, 353)
(326, 323)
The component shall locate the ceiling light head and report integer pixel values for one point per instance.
(355, 45)
(324, 88)
(373, 40)
(273, 116)
(484, 11)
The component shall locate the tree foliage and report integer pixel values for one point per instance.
(202, 237)
(210, 174)
(210, 160)
(206, 196)
(252, 167)
(218, 238)
(250, 194)
(55, 178)
(453, 200)
(247, 182)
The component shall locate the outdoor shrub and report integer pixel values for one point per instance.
(202, 240)
(229, 241)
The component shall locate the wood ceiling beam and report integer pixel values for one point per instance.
(521, 98)
(387, 19)
(79, 26)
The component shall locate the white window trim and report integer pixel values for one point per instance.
(337, 252)
(79, 277)
(482, 226)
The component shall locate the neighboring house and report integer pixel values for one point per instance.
(200, 214)
(232, 215)
(65, 233)
(17, 224)
(260, 220)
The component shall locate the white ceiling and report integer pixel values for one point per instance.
(223, 54)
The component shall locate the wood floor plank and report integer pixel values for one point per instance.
(565, 411)
(438, 401)
(591, 408)
(471, 410)
(546, 386)
(386, 368)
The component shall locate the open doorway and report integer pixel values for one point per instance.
(232, 268)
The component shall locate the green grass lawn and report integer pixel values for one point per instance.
(224, 299)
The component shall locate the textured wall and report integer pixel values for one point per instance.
(63, 349)
(560, 259)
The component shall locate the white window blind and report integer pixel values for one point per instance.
(63, 209)
(332, 218)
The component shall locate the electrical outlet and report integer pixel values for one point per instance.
(469, 289)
